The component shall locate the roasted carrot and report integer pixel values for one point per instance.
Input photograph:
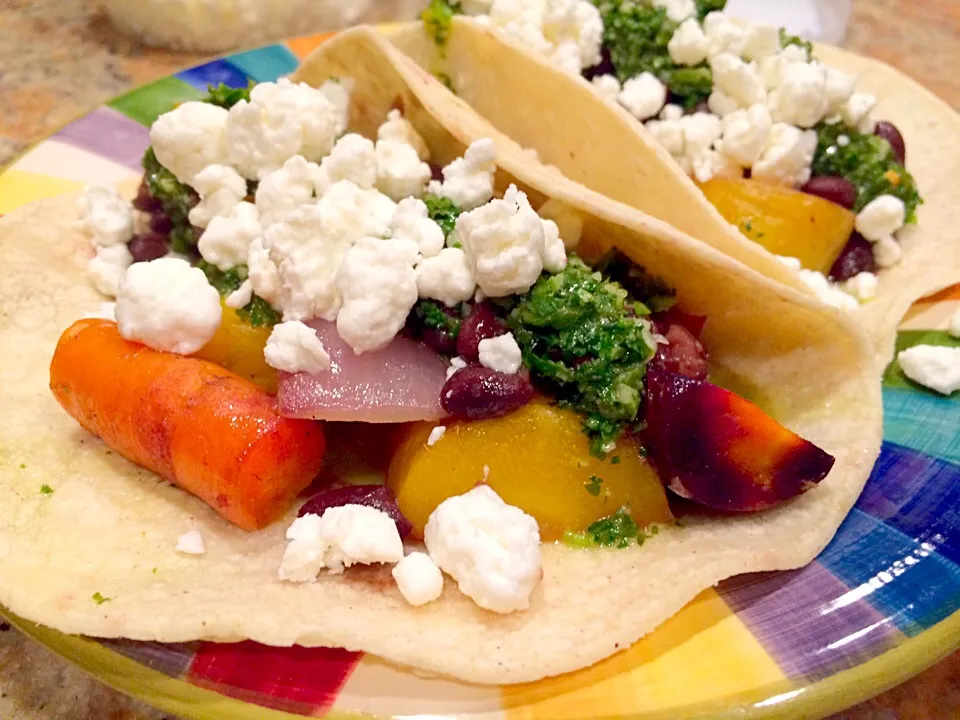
(206, 430)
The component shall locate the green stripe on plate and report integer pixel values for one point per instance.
(146, 104)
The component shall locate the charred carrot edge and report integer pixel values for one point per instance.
(203, 428)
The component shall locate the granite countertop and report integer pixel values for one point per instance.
(59, 58)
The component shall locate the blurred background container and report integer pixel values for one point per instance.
(824, 20)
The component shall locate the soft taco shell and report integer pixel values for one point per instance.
(111, 528)
(600, 145)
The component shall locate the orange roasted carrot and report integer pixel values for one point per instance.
(201, 427)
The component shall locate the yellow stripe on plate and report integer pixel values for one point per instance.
(703, 654)
(19, 188)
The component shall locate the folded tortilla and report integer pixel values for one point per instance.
(110, 528)
(599, 144)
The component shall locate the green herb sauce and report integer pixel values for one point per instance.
(786, 39)
(225, 96)
(175, 197)
(584, 338)
(433, 316)
(437, 19)
(636, 34)
(594, 485)
(46, 490)
(618, 530)
(258, 311)
(868, 163)
(100, 599)
(443, 211)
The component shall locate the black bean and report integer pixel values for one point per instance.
(604, 67)
(148, 246)
(378, 497)
(833, 188)
(855, 258)
(160, 223)
(144, 201)
(440, 341)
(480, 324)
(477, 393)
(888, 131)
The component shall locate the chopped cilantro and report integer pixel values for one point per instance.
(636, 34)
(225, 96)
(154, 571)
(258, 311)
(787, 39)
(175, 197)
(437, 19)
(23, 466)
(443, 211)
(618, 530)
(46, 490)
(867, 161)
(705, 7)
(581, 340)
(433, 316)
(615, 460)
(100, 599)
(594, 485)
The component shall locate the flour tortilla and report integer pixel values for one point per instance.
(602, 146)
(110, 527)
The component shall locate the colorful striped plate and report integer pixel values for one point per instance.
(879, 605)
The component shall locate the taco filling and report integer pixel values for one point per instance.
(782, 145)
(276, 270)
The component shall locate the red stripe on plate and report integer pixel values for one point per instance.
(299, 680)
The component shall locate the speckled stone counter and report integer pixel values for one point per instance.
(59, 58)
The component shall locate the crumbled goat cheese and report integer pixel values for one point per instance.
(378, 285)
(501, 353)
(738, 80)
(353, 158)
(418, 579)
(554, 250)
(343, 536)
(771, 67)
(935, 367)
(168, 305)
(412, 222)
(724, 36)
(862, 286)
(710, 164)
(787, 157)
(191, 543)
(435, 435)
(490, 548)
(858, 111)
(881, 218)
(107, 267)
(840, 87)
(399, 129)
(446, 277)
(221, 189)
(828, 292)
(762, 41)
(677, 10)
(468, 181)
(281, 192)
(263, 275)
(400, 172)
(801, 96)
(226, 241)
(671, 111)
(643, 96)
(745, 134)
(190, 138)
(607, 87)
(294, 347)
(569, 222)
(721, 104)
(240, 297)
(887, 252)
(457, 363)
(105, 216)
(281, 120)
(504, 242)
(689, 45)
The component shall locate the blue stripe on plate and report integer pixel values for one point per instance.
(266, 64)
(918, 495)
(905, 578)
(214, 73)
(923, 421)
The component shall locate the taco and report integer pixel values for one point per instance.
(837, 164)
(512, 396)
